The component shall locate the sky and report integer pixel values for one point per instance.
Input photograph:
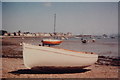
(60, 0)
(75, 17)
(0, 15)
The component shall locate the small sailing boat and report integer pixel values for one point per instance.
(52, 41)
(43, 56)
(84, 41)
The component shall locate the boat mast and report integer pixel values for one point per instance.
(54, 22)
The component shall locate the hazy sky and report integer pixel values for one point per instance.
(60, 0)
(0, 15)
(75, 17)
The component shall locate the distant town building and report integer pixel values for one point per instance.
(105, 35)
(69, 34)
(28, 34)
(6, 34)
(84, 36)
(11, 34)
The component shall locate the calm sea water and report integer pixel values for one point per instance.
(103, 47)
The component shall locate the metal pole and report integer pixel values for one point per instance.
(54, 22)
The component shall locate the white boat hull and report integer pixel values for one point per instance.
(38, 56)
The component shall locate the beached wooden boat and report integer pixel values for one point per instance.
(51, 42)
(39, 56)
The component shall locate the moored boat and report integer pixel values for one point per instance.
(51, 42)
(84, 41)
(39, 56)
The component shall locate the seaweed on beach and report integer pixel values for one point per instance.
(8, 43)
(106, 60)
(10, 52)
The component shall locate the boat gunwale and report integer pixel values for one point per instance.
(76, 51)
(51, 40)
(61, 49)
(65, 49)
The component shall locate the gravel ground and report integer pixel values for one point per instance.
(14, 68)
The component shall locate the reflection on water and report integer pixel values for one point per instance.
(103, 47)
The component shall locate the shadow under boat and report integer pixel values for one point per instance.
(51, 70)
